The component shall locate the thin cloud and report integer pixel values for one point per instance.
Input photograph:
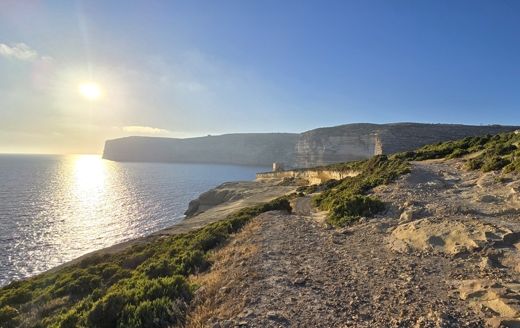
(21, 51)
(145, 130)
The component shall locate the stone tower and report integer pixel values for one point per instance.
(277, 166)
(378, 145)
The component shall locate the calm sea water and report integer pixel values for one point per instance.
(56, 208)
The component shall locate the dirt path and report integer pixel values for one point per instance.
(294, 271)
(304, 275)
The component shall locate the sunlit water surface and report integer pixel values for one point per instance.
(56, 208)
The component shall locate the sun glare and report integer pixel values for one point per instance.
(90, 90)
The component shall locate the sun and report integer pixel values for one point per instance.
(90, 90)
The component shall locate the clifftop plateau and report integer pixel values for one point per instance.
(312, 148)
(242, 149)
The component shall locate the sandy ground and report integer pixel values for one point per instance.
(444, 255)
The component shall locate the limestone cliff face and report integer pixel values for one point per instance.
(310, 176)
(336, 144)
(312, 148)
(409, 136)
(359, 141)
(242, 149)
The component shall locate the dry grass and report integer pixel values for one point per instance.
(228, 269)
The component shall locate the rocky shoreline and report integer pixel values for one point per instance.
(216, 203)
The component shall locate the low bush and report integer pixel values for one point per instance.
(474, 163)
(160, 313)
(494, 163)
(492, 152)
(346, 200)
(8, 317)
(514, 166)
(458, 153)
(352, 208)
(311, 189)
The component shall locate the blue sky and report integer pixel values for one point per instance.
(190, 68)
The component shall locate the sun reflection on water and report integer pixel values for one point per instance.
(92, 215)
(89, 183)
(56, 208)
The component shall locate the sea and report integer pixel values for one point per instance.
(54, 208)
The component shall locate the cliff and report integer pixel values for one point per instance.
(360, 141)
(242, 149)
(309, 176)
(312, 148)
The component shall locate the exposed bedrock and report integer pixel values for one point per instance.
(311, 176)
(312, 148)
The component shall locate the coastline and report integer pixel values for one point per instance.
(248, 193)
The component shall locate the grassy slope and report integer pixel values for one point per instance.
(144, 286)
(347, 199)
(494, 153)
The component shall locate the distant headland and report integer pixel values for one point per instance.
(311, 148)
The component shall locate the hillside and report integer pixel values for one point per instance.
(316, 147)
(360, 141)
(431, 242)
(427, 238)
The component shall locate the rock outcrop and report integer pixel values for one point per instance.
(232, 196)
(312, 148)
(213, 197)
(311, 176)
(446, 236)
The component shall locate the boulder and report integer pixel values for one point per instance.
(445, 236)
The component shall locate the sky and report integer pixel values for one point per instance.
(192, 68)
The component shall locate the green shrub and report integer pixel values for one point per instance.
(346, 201)
(213, 236)
(501, 145)
(134, 260)
(107, 311)
(159, 313)
(171, 287)
(503, 149)
(8, 317)
(77, 285)
(494, 163)
(350, 209)
(192, 262)
(474, 163)
(514, 166)
(69, 320)
(458, 153)
(495, 152)
(15, 296)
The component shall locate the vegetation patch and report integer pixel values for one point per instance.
(491, 153)
(347, 200)
(143, 286)
(353, 207)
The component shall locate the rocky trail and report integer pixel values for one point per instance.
(440, 257)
